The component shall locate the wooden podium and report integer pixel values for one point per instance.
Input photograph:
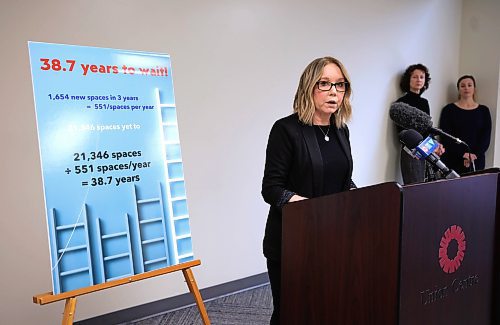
(386, 254)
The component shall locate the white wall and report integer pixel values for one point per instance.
(480, 56)
(236, 67)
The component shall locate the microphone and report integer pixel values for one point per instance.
(409, 117)
(424, 149)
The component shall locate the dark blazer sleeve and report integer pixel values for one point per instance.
(279, 154)
(346, 143)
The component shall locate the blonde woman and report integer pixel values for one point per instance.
(308, 153)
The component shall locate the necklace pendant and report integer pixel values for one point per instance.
(327, 138)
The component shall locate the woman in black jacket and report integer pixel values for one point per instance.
(308, 153)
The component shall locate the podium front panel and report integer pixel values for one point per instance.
(447, 251)
(340, 258)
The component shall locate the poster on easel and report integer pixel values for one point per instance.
(112, 170)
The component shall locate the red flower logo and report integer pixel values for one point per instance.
(453, 233)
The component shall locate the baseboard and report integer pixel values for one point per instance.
(172, 303)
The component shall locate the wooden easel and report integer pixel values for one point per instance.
(70, 296)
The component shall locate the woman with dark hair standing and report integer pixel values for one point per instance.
(414, 81)
(470, 122)
(308, 154)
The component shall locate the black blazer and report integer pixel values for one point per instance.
(293, 166)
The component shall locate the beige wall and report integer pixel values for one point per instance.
(480, 56)
(236, 67)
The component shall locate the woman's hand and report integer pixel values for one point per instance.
(297, 198)
(468, 157)
(439, 150)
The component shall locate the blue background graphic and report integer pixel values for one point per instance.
(111, 163)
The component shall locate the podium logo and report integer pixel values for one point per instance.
(453, 237)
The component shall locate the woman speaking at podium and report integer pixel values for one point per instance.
(308, 154)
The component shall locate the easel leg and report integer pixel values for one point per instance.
(69, 311)
(191, 282)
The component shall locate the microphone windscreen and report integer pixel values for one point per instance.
(409, 117)
(410, 138)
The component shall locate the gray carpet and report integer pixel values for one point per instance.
(250, 307)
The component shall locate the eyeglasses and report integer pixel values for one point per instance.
(340, 86)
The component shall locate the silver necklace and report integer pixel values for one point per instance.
(327, 138)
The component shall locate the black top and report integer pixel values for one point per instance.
(416, 101)
(336, 165)
(295, 165)
(472, 126)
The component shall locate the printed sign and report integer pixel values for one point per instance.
(112, 169)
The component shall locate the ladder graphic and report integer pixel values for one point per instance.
(178, 217)
(151, 232)
(111, 260)
(70, 242)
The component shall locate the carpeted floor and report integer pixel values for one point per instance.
(250, 307)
